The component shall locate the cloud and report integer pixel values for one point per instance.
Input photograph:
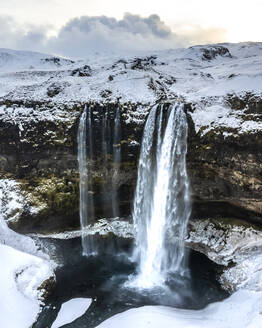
(80, 36)
(132, 33)
(196, 34)
(26, 37)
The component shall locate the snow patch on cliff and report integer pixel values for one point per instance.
(221, 116)
(20, 115)
(11, 200)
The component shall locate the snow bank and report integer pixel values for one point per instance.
(242, 310)
(24, 267)
(21, 275)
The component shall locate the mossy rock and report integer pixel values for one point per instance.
(52, 195)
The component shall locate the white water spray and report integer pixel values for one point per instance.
(162, 201)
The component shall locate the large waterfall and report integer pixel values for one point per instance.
(85, 157)
(110, 152)
(162, 202)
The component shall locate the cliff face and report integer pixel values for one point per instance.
(225, 172)
(40, 110)
(225, 166)
(41, 156)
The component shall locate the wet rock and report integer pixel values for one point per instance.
(46, 288)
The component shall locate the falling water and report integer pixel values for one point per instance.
(162, 202)
(110, 145)
(116, 161)
(85, 157)
(106, 136)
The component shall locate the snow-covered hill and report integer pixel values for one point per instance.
(205, 76)
(196, 72)
(15, 60)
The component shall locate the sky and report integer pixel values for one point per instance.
(75, 27)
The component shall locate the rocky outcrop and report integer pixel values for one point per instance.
(225, 165)
(234, 244)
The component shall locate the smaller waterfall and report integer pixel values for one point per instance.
(85, 158)
(106, 135)
(162, 202)
(87, 161)
(116, 161)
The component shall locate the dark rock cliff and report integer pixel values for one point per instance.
(41, 154)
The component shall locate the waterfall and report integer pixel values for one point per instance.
(111, 145)
(116, 162)
(85, 158)
(162, 202)
(110, 149)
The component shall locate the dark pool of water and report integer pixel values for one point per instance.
(102, 277)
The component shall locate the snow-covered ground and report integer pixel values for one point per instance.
(201, 75)
(24, 267)
(21, 275)
(242, 310)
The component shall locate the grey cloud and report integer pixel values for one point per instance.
(132, 33)
(133, 24)
(16, 36)
(83, 35)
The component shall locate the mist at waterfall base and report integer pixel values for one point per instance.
(103, 277)
(157, 273)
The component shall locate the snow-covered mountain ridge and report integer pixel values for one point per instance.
(207, 77)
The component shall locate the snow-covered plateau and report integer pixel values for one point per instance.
(208, 77)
